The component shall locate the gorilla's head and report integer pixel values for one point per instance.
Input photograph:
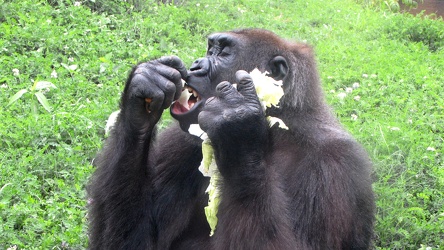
(227, 53)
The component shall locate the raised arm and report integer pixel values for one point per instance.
(252, 205)
(120, 191)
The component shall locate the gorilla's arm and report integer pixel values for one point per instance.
(123, 190)
(330, 192)
(120, 195)
(253, 206)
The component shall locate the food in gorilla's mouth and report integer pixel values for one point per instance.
(186, 101)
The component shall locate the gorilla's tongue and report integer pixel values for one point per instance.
(186, 101)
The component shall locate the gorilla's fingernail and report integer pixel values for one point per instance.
(243, 76)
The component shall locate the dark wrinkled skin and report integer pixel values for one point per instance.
(308, 187)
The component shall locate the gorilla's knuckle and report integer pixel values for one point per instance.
(169, 60)
(137, 80)
(174, 58)
(141, 68)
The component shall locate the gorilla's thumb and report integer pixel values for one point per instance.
(245, 85)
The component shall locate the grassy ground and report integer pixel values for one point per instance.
(382, 72)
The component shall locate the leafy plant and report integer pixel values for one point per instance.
(37, 90)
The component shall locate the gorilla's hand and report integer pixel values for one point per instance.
(234, 117)
(150, 89)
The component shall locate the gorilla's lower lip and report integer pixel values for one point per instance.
(184, 116)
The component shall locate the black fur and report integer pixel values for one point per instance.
(308, 187)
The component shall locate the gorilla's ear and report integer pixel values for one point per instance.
(279, 68)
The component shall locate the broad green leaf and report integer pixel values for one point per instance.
(42, 99)
(17, 95)
(43, 85)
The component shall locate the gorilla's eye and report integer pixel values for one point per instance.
(212, 51)
(218, 51)
(224, 52)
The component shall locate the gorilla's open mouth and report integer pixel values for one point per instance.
(186, 102)
(186, 109)
(195, 92)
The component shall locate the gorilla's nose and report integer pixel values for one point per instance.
(200, 66)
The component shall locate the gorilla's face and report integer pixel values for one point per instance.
(227, 53)
(220, 64)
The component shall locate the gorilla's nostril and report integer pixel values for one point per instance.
(200, 66)
(195, 67)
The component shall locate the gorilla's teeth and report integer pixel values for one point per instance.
(183, 99)
(195, 93)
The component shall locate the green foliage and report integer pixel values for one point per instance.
(427, 32)
(392, 5)
(100, 6)
(382, 72)
(36, 90)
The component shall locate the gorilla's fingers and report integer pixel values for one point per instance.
(175, 70)
(245, 85)
(141, 90)
(157, 100)
(169, 89)
(175, 62)
(173, 77)
(226, 89)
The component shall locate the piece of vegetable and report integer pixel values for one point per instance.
(268, 90)
(269, 93)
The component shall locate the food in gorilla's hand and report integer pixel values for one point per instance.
(208, 168)
(213, 201)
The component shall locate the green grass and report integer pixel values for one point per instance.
(45, 157)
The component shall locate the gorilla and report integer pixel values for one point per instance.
(308, 187)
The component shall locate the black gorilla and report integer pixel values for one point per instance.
(308, 187)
